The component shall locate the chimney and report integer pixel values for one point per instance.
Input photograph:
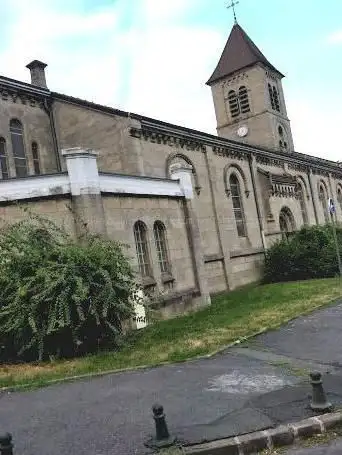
(37, 70)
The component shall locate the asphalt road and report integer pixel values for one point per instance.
(112, 414)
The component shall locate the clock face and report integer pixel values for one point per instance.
(242, 131)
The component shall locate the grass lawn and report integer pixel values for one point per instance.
(231, 317)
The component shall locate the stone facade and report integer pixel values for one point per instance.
(220, 202)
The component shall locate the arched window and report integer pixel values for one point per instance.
(3, 159)
(233, 104)
(141, 244)
(282, 138)
(35, 157)
(301, 194)
(243, 100)
(16, 130)
(237, 205)
(274, 97)
(339, 196)
(286, 222)
(161, 246)
(270, 92)
(323, 197)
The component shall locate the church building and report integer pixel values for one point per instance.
(197, 211)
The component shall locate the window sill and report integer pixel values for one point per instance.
(246, 252)
(213, 258)
(148, 281)
(167, 278)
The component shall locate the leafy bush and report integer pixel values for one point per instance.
(309, 253)
(58, 296)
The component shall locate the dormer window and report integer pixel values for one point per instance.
(274, 97)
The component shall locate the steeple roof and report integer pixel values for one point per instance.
(239, 52)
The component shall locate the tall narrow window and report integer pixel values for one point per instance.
(141, 244)
(237, 205)
(339, 197)
(233, 104)
(271, 96)
(3, 159)
(283, 138)
(161, 246)
(286, 222)
(243, 99)
(302, 204)
(276, 99)
(323, 198)
(18, 148)
(35, 157)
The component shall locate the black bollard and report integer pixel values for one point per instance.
(319, 400)
(6, 446)
(162, 438)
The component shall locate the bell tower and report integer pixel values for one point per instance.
(248, 96)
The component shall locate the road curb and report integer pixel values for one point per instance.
(282, 435)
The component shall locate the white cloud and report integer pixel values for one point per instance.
(315, 132)
(335, 37)
(156, 66)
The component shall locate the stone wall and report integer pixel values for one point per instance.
(135, 146)
(36, 127)
(55, 209)
(121, 212)
(79, 126)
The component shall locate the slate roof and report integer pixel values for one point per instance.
(239, 52)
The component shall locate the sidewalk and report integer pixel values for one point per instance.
(284, 406)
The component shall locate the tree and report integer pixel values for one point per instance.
(309, 253)
(59, 296)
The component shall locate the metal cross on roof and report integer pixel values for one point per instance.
(232, 5)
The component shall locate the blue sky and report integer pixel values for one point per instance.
(154, 56)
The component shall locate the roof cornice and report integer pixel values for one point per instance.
(6, 82)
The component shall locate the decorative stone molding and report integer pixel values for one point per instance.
(167, 139)
(227, 171)
(17, 96)
(320, 183)
(172, 157)
(299, 167)
(302, 183)
(282, 185)
(230, 153)
(266, 161)
(185, 141)
(183, 173)
(321, 172)
(238, 78)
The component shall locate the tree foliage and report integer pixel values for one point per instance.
(58, 296)
(309, 253)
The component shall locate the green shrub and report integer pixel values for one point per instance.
(60, 297)
(309, 253)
